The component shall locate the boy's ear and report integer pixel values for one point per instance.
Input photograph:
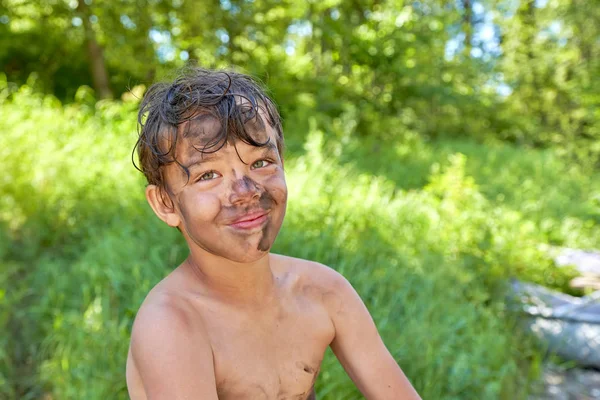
(162, 205)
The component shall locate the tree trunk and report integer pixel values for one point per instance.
(468, 26)
(145, 25)
(95, 55)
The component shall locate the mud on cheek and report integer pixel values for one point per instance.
(266, 202)
(277, 196)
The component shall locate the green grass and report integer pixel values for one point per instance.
(428, 233)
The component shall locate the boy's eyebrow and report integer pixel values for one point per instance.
(207, 157)
(204, 158)
(270, 146)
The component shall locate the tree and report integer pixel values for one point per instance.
(95, 54)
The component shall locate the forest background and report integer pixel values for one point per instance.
(435, 150)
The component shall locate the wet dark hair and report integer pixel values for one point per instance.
(232, 99)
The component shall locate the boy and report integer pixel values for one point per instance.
(235, 321)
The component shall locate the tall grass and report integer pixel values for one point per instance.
(427, 233)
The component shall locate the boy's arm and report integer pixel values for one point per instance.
(172, 354)
(359, 348)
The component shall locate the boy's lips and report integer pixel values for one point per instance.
(250, 220)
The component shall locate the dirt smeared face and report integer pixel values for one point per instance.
(234, 201)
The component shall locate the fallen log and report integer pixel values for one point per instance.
(570, 326)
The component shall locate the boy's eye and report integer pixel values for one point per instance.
(260, 164)
(207, 176)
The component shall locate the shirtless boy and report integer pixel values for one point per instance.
(235, 321)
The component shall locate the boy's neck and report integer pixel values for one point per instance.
(246, 284)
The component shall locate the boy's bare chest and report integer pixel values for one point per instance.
(272, 356)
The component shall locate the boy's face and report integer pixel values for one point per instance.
(235, 199)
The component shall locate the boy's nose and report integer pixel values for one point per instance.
(244, 190)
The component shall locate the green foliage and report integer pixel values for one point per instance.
(428, 234)
(552, 64)
(520, 71)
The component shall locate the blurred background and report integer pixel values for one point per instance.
(435, 151)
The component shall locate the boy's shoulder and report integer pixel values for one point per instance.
(315, 280)
(168, 304)
(309, 272)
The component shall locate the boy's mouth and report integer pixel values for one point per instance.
(250, 220)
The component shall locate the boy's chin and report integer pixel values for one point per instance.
(235, 247)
